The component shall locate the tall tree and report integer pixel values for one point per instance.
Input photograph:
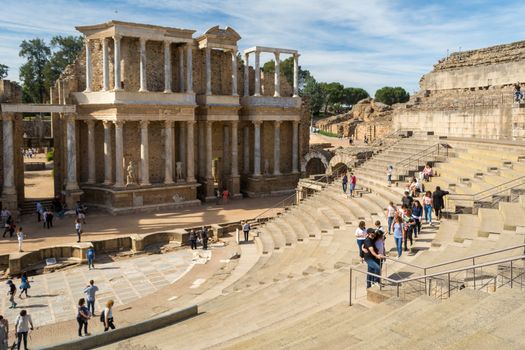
(353, 95)
(390, 95)
(314, 93)
(3, 71)
(37, 54)
(65, 50)
(286, 68)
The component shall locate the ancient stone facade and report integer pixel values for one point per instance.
(163, 118)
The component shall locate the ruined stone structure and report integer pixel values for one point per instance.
(470, 94)
(186, 113)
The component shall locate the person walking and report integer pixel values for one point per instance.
(23, 324)
(204, 237)
(246, 230)
(390, 214)
(91, 257)
(107, 316)
(397, 228)
(353, 182)
(83, 315)
(90, 292)
(372, 257)
(407, 200)
(24, 285)
(438, 201)
(427, 205)
(78, 229)
(360, 235)
(49, 218)
(20, 237)
(5, 214)
(344, 182)
(11, 293)
(4, 333)
(417, 215)
(9, 227)
(39, 211)
(193, 239)
(389, 172)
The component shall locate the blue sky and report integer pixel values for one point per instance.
(366, 44)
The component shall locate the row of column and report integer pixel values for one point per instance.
(143, 70)
(277, 78)
(9, 155)
(185, 149)
(208, 71)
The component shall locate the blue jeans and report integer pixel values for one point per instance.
(21, 336)
(399, 245)
(91, 306)
(90, 263)
(360, 246)
(344, 187)
(428, 213)
(373, 267)
(390, 221)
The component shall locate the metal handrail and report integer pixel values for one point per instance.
(424, 153)
(489, 192)
(425, 277)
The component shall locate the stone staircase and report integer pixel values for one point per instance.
(29, 205)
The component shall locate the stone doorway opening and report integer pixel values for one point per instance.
(315, 166)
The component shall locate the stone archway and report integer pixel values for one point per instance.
(315, 162)
(340, 160)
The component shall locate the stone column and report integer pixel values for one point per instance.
(246, 75)
(116, 54)
(208, 70)
(143, 72)
(144, 154)
(246, 150)
(235, 151)
(226, 150)
(209, 150)
(180, 51)
(9, 155)
(105, 65)
(89, 68)
(107, 153)
(190, 174)
(257, 148)
(91, 152)
(119, 154)
(168, 151)
(277, 148)
(295, 75)
(234, 73)
(71, 183)
(167, 67)
(189, 69)
(182, 142)
(295, 148)
(257, 75)
(277, 79)
(202, 149)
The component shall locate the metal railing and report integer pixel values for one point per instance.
(488, 193)
(428, 283)
(421, 158)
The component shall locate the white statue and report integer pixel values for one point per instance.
(178, 166)
(130, 178)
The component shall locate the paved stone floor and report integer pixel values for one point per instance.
(54, 296)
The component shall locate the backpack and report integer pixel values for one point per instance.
(103, 316)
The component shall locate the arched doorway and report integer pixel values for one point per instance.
(315, 166)
(339, 168)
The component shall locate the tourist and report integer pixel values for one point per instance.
(78, 229)
(58, 207)
(246, 229)
(351, 140)
(344, 182)
(22, 327)
(427, 172)
(20, 237)
(379, 244)
(371, 257)
(366, 140)
(427, 204)
(225, 196)
(39, 211)
(193, 239)
(49, 218)
(107, 316)
(409, 230)
(24, 285)
(90, 255)
(417, 215)
(11, 293)
(5, 214)
(390, 214)
(518, 95)
(389, 172)
(397, 228)
(9, 227)
(83, 315)
(217, 197)
(4, 333)
(407, 200)
(438, 201)
(204, 237)
(360, 234)
(378, 226)
(90, 292)
(353, 182)
(80, 211)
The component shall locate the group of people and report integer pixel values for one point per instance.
(346, 181)
(29, 152)
(86, 310)
(404, 223)
(201, 235)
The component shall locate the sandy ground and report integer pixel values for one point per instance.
(39, 184)
(336, 142)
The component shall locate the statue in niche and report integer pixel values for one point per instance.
(266, 167)
(131, 179)
(178, 166)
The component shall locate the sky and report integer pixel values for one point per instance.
(360, 43)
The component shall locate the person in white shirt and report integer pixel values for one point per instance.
(108, 316)
(20, 237)
(23, 324)
(246, 230)
(360, 235)
(78, 228)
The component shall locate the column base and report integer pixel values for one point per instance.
(10, 202)
(234, 186)
(72, 197)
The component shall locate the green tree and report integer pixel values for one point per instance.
(333, 93)
(65, 50)
(286, 69)
(353, 95)
(390, 95)
(37, 54)
(3, 71)
(314, 93)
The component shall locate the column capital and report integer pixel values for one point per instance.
(8, 116)
(277, 123)
(143, 41)
(107, 124)
(118, 123)
(257, 122)
(144, 124)
(90, 122)
(190, 122)
(70, 117)
(234, 122)
(276, 54)
(168, 124)
(167, 43)
(117, 37)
